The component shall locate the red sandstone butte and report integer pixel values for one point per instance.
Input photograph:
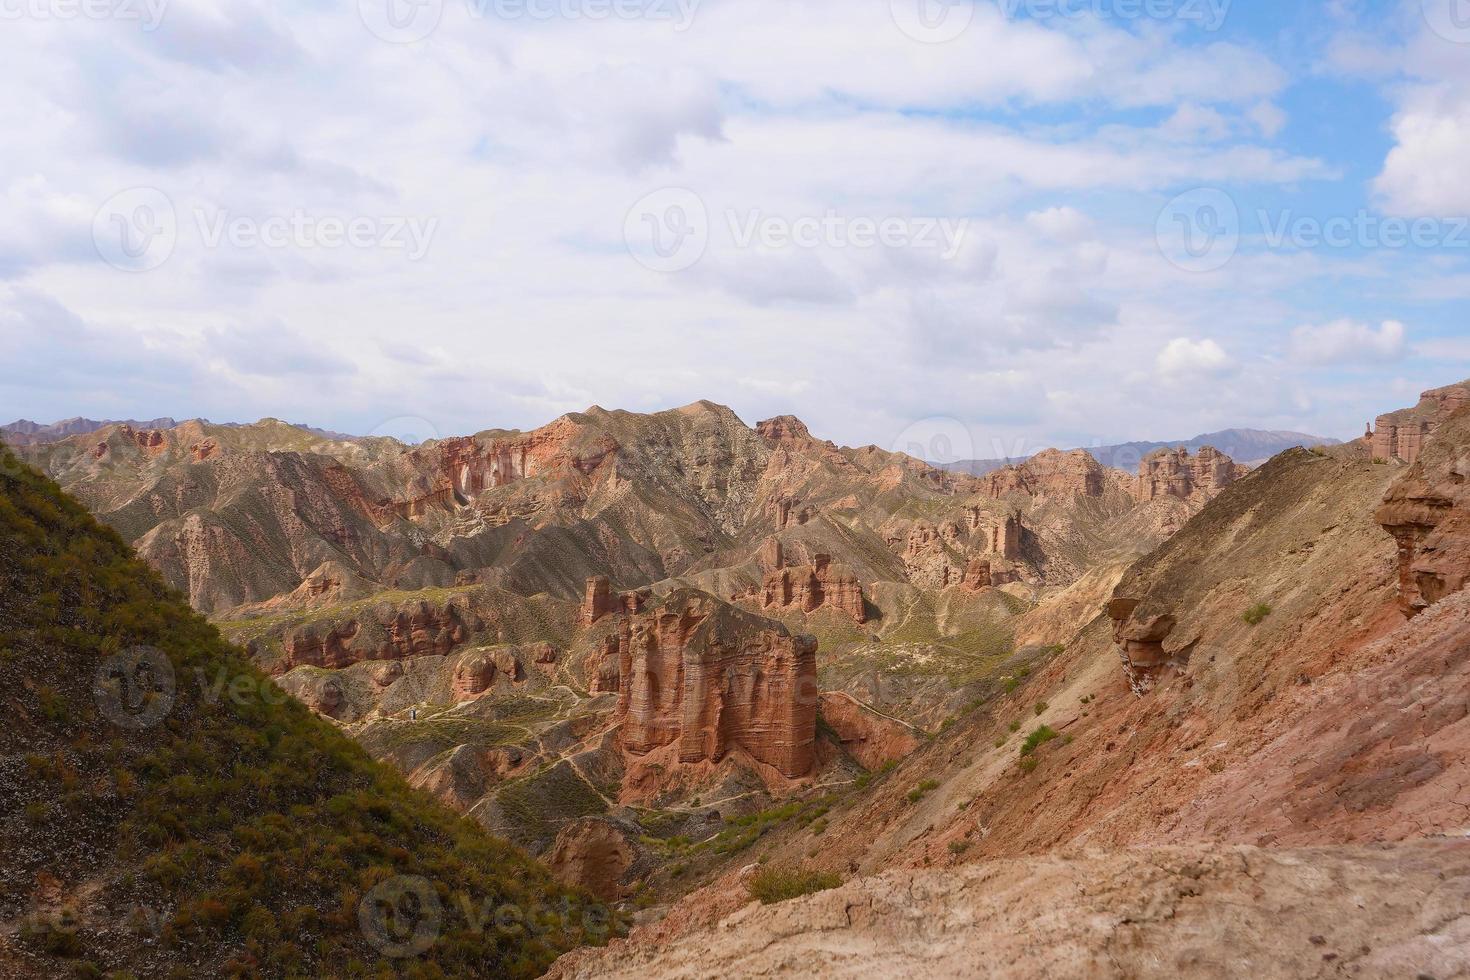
(700, 673)
(810, 587)
(1402, 434)
(1174, 472)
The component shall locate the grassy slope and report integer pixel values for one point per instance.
(239, 834)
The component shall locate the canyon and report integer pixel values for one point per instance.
(651, 649)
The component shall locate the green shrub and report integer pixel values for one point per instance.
(1037, 738)
(958, 847)
(1015, 726)
(1029, 763)
(1041, 706)
(777, 884)
(917, 793)
(1256, 613)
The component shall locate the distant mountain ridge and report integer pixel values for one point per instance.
(26, 432)
(1249, 446)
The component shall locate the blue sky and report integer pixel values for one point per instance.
(983, 226)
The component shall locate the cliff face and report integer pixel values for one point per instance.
(1427, 510)
(1050, 471)
(811, 587)
(697, 672)
(1173, 472)
(388, 633)
(1403, 434)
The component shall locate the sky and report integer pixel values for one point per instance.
(956, 229)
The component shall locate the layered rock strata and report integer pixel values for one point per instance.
(702, 675)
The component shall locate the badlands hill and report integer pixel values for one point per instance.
(168, 812)
(656, 651)
(631, 644)
(1251, 759)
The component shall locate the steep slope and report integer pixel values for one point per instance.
(165, 809)
(1252, 681)
(1161, 912)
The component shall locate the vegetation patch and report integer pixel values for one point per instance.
(1039, 737)
(775, 884)
(1255, 614)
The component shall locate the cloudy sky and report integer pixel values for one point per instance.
(966, 229)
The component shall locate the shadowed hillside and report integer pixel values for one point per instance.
(165, 810)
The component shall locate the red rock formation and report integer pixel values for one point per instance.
(476, 672)
(593, 855)
(1140, 642)
(810, 587)
(396, 634)
(977, 575)
(999, 536)
(1427, 510)
(704, 675)
(1402, 434)
(868, 737)
(783, 428)
(1174, 472)
(771, 557)
(1052, 472)
(597, 600)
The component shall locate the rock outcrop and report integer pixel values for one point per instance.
(1403, 434)
(1427, 510)
(1140, 642)
(696, 672)
(1050, 472)
(1173, 472)
(868, 737)
(811, 587)
(783, 428)
(597, 600)
(977, 575)
(591, 854)
(390, 634)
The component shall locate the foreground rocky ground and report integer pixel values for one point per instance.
(1389, 911)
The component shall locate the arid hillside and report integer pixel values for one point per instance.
(165, 810)
(1288, 671)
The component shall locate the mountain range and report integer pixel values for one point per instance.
(1249, 446)
(683, 663)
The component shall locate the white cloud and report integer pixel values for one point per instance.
(1348, 341)
(1182, 358)
(1424, 173)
